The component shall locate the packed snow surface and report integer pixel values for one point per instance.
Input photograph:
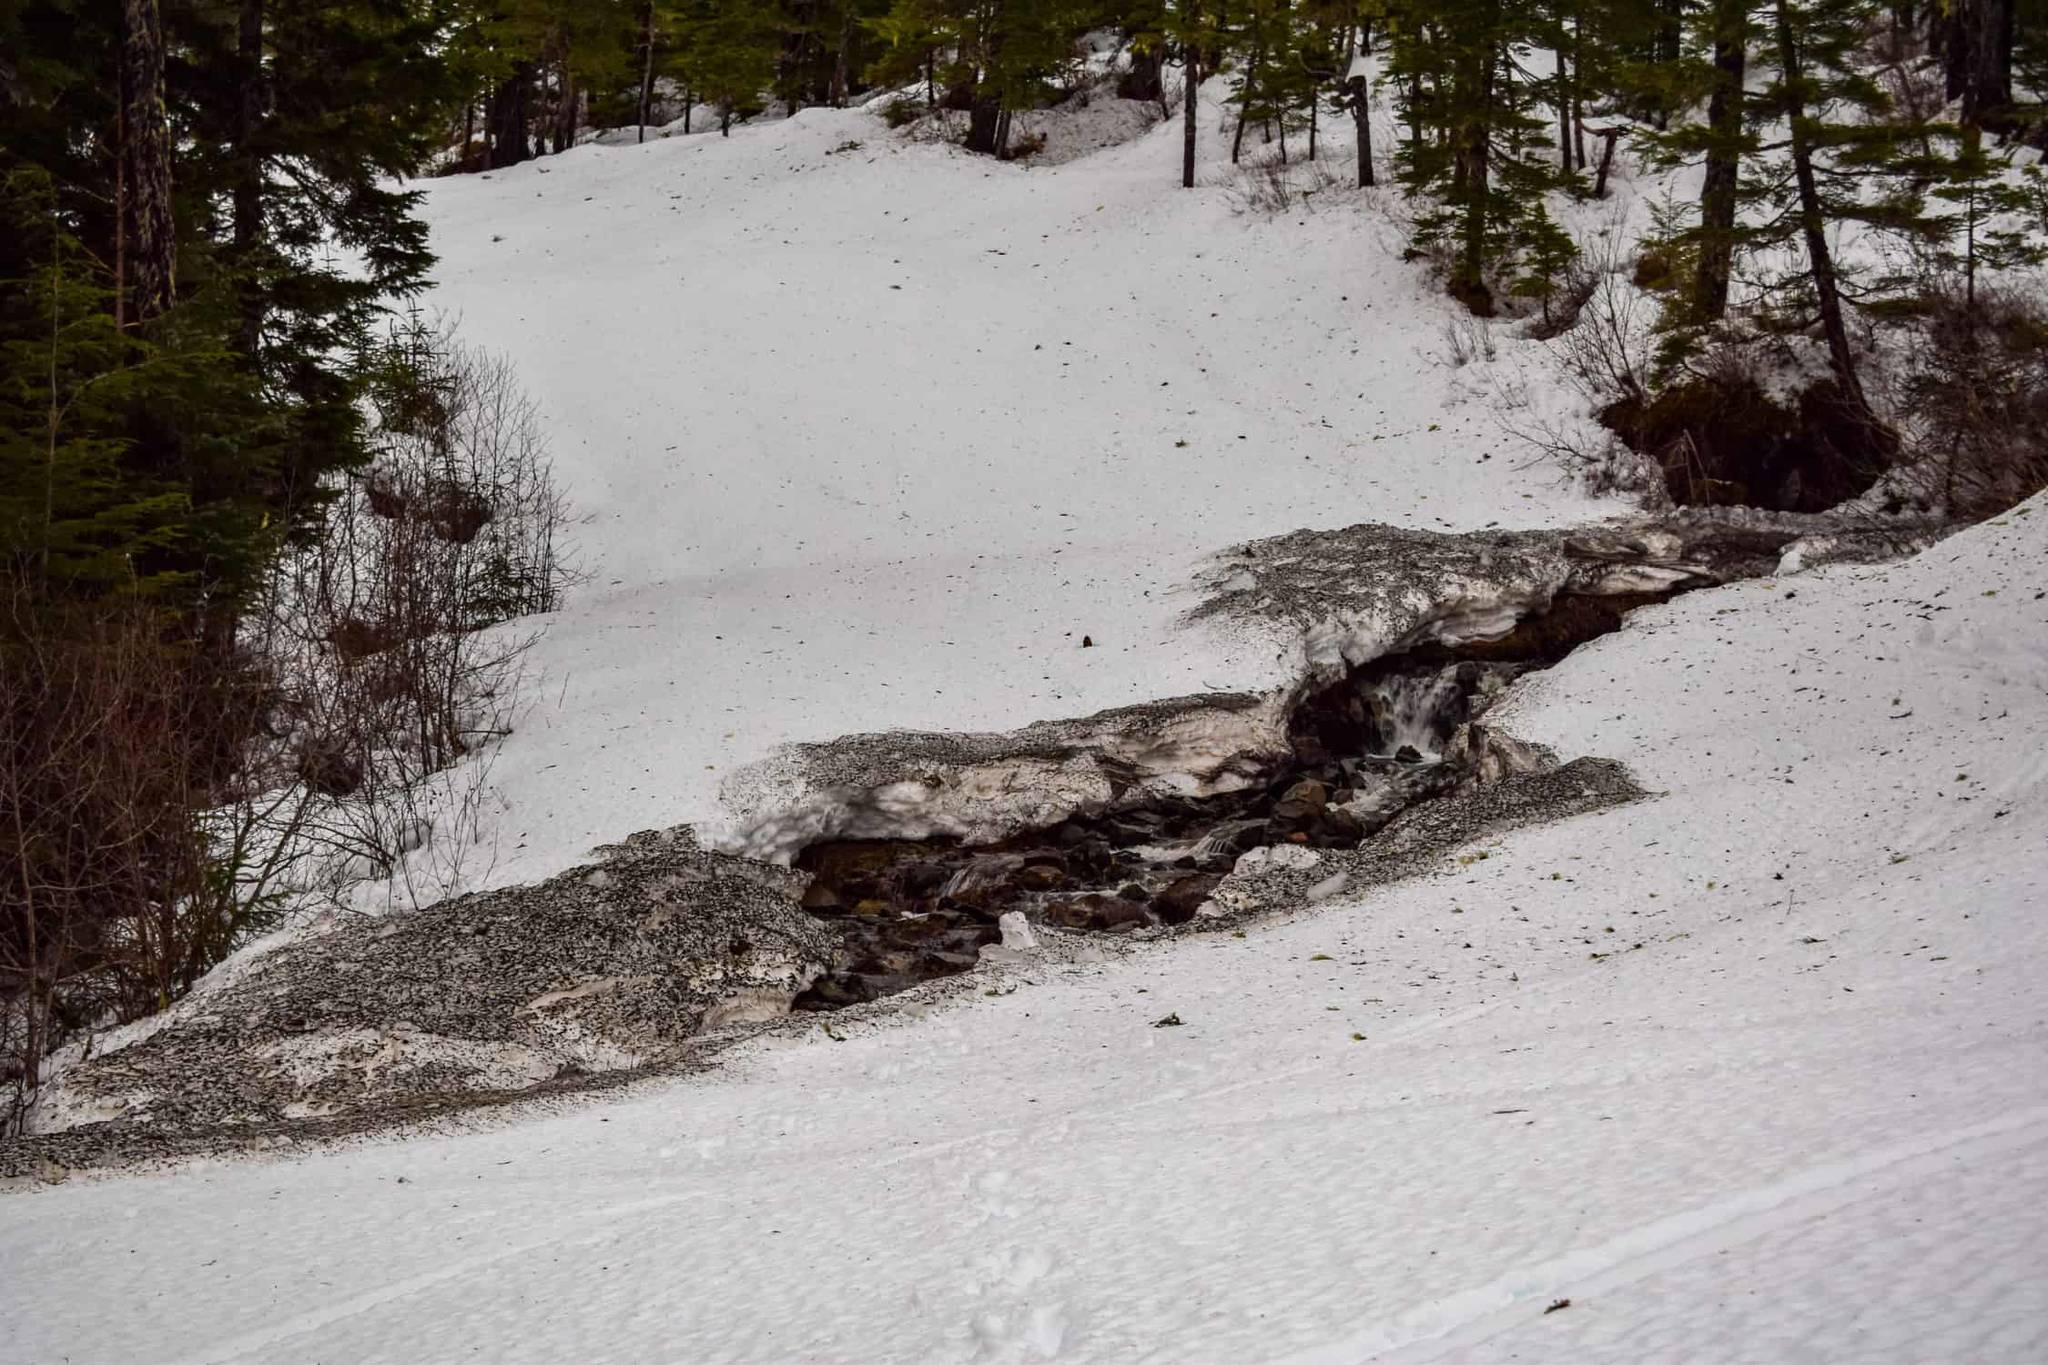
(1754, 1070)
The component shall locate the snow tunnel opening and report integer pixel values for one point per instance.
(1361, 750)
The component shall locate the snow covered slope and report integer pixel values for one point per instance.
(874, 437)
(1754, 1071)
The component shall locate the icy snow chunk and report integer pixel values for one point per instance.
(1277, 857)
(1329, 886)
(1017, 935)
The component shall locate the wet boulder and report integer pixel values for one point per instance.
(1178, 903)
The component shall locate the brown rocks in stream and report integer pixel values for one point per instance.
(1178, 903)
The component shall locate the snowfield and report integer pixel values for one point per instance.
(1755, 1069)
(873, 438)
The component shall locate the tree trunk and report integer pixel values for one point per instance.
(1579, 95)
(1980, 39)
(1190, 99)
(148, 230)
(1244, 101)
(983, 121)
(1361, 114)
(842, 65)
(1669, 48)
(1724, 161)
(646, 66)
(508, 117)
(248, 192)
(1813, 226)
(1564, 105)
(1468, 276)
(1608, 139)
(1145, 80)
(567, 99)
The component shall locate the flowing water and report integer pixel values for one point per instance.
(1362, 751)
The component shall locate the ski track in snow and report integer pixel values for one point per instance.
(1754, 1071)
(1666, 1245)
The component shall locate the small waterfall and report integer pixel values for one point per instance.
(1416, 710)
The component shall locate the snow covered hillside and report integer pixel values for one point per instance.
(1754, 1069)
(872, 437)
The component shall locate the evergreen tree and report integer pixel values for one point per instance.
(72, 519)
(726, 52)
(1990, 227)
(1018, 47)
(1725, 139)
(910, 35)
(1978, 41)
(1717, 126)
(1849, 161)
(1475, 160)
(211, 194)
(1267, 93)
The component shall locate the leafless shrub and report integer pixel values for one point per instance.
(163, 799)
(1467, 338)
(1600, 331)
(1608, 354)
(1565, 305)
(1266, 184)
(1601, 325)
(1977, 409)
(390, 626)
(131, 857)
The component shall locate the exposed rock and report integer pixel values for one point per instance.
(1178, 903)
(605, 968)
(1097, 912)
(1339, 825)
(1485, 754)
(1040, 877)
(1301, 803)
